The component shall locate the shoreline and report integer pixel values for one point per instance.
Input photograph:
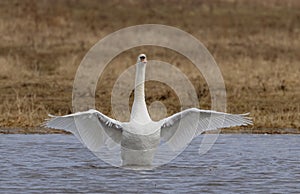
(44, 131)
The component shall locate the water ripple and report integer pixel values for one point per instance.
(235, 164)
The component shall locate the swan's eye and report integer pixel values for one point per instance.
(142, 57)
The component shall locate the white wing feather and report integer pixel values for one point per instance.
(178, 129)
(92, 128)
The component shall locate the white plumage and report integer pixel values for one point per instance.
(142, 141)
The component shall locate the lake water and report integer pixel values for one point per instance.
(235, 164)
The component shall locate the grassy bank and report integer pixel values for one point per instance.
(255, 44)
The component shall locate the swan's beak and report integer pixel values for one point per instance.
(142, 58)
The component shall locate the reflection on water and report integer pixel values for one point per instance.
(236, 163)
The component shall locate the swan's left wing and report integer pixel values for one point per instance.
(99, 133)
(180, 128)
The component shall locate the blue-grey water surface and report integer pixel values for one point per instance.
(235, 164)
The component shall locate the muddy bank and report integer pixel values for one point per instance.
(256, 45)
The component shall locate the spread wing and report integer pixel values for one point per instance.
(99, 133)
(178, 130)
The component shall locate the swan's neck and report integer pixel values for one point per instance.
(139, 111)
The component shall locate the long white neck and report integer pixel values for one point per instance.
(139, 112)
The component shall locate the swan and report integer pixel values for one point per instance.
(139, 140)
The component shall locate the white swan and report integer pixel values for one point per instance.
(139, 140)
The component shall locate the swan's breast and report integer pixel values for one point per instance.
(140, 142)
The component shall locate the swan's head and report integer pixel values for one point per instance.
(142, 58)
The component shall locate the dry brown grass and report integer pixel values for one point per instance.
(255, 43)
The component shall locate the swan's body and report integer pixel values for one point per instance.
(140, 137)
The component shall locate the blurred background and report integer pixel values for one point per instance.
(255, 43)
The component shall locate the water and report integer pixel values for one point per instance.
(235, 164)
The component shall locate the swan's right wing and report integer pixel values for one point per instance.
(99, 133)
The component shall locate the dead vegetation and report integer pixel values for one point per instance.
(255, 43)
